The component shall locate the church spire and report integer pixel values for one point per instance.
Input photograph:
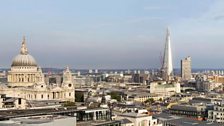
(24, 50)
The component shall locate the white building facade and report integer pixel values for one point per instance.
(26, 80)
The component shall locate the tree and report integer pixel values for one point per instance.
(79, 97)
(115, 95)
(69, 104)
(161, 99)
(150, 101)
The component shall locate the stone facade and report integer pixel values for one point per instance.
(216, 114)
(139, 119)
(25, 76)
(26, 80)
(164, 89)
(24, 70)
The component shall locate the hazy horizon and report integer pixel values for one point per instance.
(113, 34)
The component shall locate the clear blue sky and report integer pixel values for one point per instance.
(112, 33)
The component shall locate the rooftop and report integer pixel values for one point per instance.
(187, 107)
(134, 115)
(183, 121)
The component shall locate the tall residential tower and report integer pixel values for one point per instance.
(186, 68)
(167, 65)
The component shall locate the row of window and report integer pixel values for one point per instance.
(219, 108)
(24, 67)
(48, 96)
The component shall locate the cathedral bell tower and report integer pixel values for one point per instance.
(68, 78)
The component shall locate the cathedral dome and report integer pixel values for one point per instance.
(24, 59)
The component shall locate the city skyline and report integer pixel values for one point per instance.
(131, 34)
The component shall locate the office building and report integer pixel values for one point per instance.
(186, 68)
(167, 65)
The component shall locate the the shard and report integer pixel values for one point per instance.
(167, 65)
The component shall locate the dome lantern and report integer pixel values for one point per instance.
(24, 50)
(24, 58)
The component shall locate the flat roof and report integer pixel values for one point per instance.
(7, 114)
(183, 121)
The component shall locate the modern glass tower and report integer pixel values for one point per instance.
(167, 65)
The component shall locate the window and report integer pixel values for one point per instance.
(19, 101)
(69, 94)
(69, 85)
(42, 96)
